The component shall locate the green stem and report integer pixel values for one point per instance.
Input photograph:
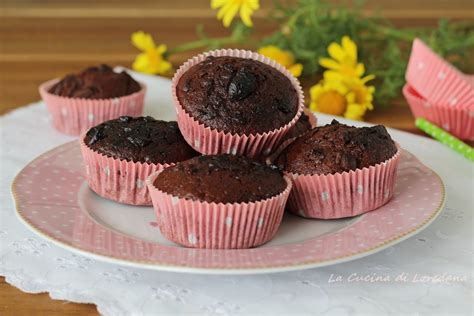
(207, 42)
(237, 37)
(395, 33)
(189, 46)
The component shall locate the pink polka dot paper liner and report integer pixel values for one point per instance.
(313, 121)
(458, 121)
(436, 80)
(118, 179)
(73, 116)
(201, 224)
(47, 199)
(343, 194)
(211, 141)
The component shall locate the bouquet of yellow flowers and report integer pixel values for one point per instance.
(317, 38)
(343, 89)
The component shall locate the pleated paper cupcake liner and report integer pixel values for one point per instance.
(212, 141)
(274, 155)
(118, 179)
(313, 120)
(455, 120)
(200, 224)
(344, 194)
(436, 80)
(74, 116)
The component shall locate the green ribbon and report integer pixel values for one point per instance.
(446, 138)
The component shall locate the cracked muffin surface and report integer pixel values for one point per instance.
(98, 82)
(140, 139)
(336, 148)
(237, 95)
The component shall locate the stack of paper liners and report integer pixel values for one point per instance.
(440, 93)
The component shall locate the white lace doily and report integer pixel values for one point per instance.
(430, 273)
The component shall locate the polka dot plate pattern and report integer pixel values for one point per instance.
(53, 200)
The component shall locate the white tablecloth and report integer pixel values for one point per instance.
(427, 261)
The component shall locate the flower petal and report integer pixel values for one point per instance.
(296, 70)
(329, 63)
(331, 75)
(230, 13)
(354, 112)
(367, 78)
(315, 91)
(350, 48)
(164, 67)
(143, 41)
(351, 97)
(313, 106)
(141, 63)
(161, 49)
(360, 69)
(215, 4)
(253, 4)
(222, 11)
(245, 14)
(336, 52)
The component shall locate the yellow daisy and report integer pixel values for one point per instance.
(360, 99)
(335, 98)
(343, 62)
(229, 8)
(329, 97)
(285, 58)
(151, 61)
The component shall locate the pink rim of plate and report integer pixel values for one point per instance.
(418, 198)
(211, 141)
(457, 121)
(73, 116)
(343, 194)
(118, 179)
(201, 224)
(436, 80)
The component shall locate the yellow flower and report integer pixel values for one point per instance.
(343, 62)
(343, 91)
(151, 61)
(229, 8)
(283, 57)
(360, 99)
(337, 98)
(329, 97)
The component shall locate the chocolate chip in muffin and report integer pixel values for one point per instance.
(237, 95)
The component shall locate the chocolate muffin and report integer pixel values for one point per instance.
(221, 179)
(336, 148)
(140, 139)
(100, 82)
(237, 95)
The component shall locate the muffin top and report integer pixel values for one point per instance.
(336, 148)
(221, 178)
(237, 95)
(140, 139)
(100, 82)
(302, 126)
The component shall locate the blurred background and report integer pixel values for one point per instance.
(40, 40)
